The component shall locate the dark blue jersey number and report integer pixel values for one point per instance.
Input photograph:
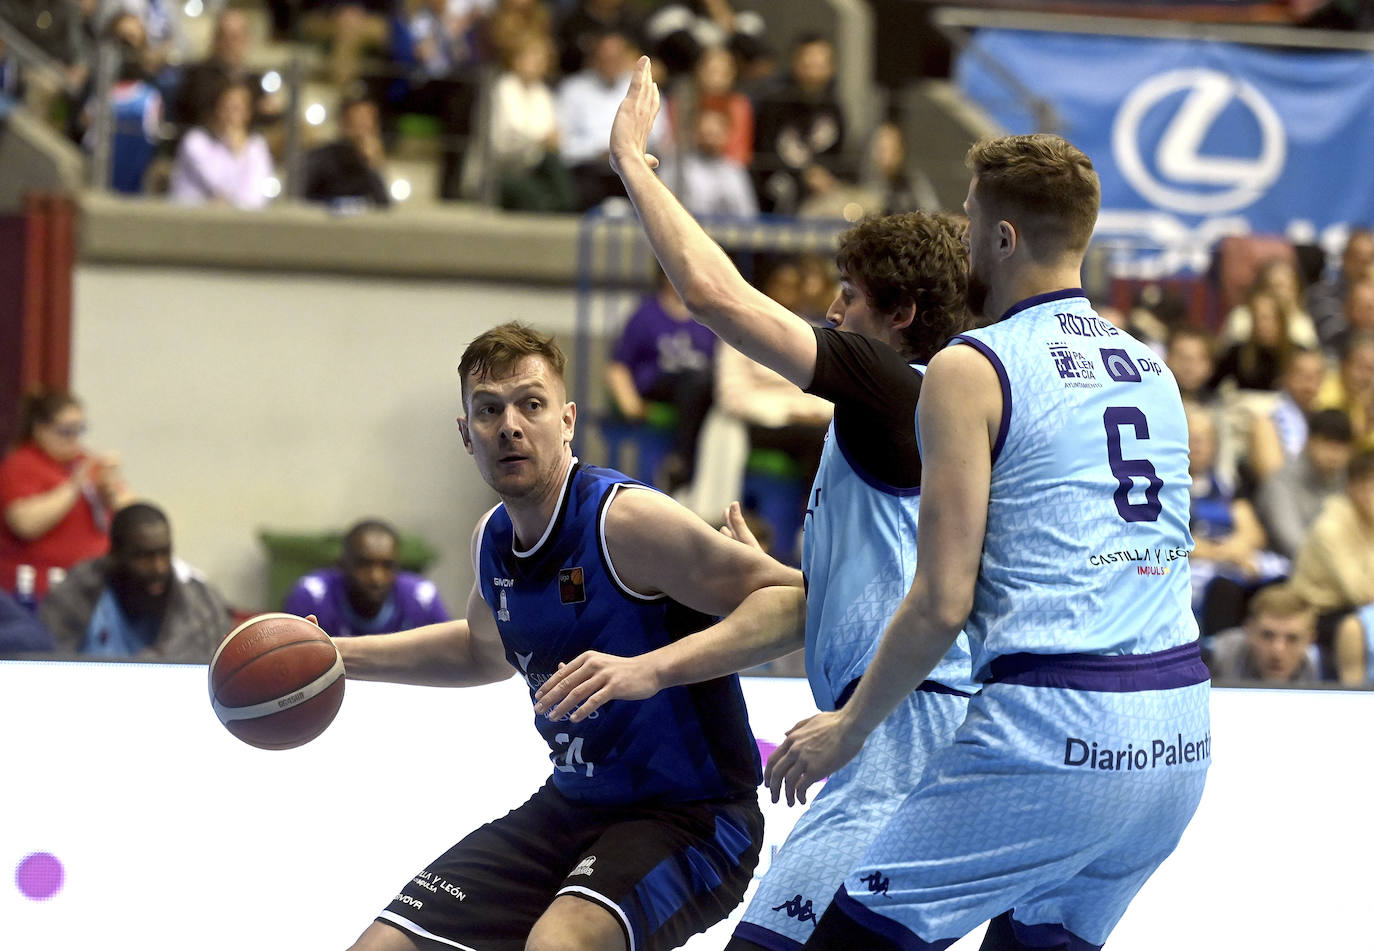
(1128, 470)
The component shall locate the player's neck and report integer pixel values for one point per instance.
(1029, 281)
(530, 514)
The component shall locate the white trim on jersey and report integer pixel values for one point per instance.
(411, 926)
(602, 900)
(548, 529)
(606, 552)
(475, 547)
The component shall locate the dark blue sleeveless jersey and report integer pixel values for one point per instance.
(562, 597)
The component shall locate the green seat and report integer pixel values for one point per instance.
(292, 554)
(417, 125)
(772, 462)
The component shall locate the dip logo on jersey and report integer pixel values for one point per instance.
(502, 608)
(798, 909)
(1120, 366)
(572, 586)
(584, 867)
(1074, 368)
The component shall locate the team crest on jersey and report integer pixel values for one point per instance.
(1074, 368)
(584, 867)
(502, 608)
(572, 586)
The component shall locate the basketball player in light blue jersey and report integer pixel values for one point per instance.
(903, 281)
(1054, 530)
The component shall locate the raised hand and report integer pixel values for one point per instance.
(634, 120)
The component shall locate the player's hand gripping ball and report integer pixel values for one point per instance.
(276, 681)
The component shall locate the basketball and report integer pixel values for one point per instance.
(276, 681)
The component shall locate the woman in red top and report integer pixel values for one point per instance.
(55, 498)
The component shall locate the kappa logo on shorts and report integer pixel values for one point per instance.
(877, 883)
(798, 909)
(584, 867)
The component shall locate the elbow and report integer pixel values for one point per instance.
(950, 612)
(704, 297)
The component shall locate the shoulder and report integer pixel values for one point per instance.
(962, 367)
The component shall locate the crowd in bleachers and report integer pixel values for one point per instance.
(509, 101)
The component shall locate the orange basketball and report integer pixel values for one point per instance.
(276, 681)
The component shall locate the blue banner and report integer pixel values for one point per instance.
(1194, 140)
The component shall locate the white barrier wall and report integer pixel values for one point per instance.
(242, 400)
(166, 833)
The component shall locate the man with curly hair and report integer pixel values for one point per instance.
(902, 296)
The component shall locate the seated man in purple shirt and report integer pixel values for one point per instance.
(367, 593)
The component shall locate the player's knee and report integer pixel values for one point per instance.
(572, 924)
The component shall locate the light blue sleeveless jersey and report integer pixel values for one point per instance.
(1087, 537)
(858, 557)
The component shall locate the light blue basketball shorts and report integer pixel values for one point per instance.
(846, 815)
(1054, 801)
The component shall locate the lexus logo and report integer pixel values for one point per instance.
(1217, 184)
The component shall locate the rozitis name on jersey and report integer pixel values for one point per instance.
(1165, 752)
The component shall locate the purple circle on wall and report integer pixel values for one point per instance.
(39, 876)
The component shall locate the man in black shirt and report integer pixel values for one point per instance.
(349, 168)
(902, 296)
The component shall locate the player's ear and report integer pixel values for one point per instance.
(1007, 238)
(569, 421)
(903, 315)
(466, 433)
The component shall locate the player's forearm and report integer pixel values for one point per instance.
(918, 636)
(768, 624)
(705, 278)
(439, 655)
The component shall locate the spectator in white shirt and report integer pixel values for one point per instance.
(707, 181)
(222, 162)
(524, 131)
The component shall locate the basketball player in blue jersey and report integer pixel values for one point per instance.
(649, 828)
(1054, 530)
(902, 296)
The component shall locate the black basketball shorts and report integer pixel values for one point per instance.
(665, 872)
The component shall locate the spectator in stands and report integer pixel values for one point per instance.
(11, 85)
(888, 174)
(713, 87)
(227, 62)
(581, 30)
(135, 105)
(1351, 387)
(1357, 313)
(437, 47)
(586, 105)
(776, 413)
(1290, 500)
(367, 593)
(664, 355)
(1279, 278)
(1326, 298)
(349, 28)
(705, 180)
(56, 496)
(1278, 436)
(138, 601)
(1354, 648)
(1334, 570)
(1254, 363)
(167, 44)
(20, 631)
(676, 34)
(348, 171)
(524, 131)
(799, 130)
(511, 25)
(1229, 557)
(223, 162)
(1275, 644)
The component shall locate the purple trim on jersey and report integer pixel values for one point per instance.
(863, 918)
(1050, 936)
(869, 480)
(1002, 378)
(761, 936)
(1068, 293)
(925, 686)
(1170, 669)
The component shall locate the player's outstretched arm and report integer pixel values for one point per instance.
(960, 409)
(710, 285)
(463, 653)
(658, 547)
